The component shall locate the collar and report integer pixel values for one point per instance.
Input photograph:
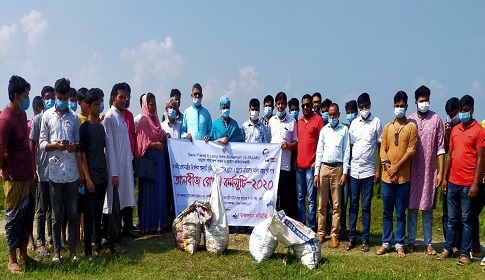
(195, 107)
(463, 127)
(313, 115)
(422, 115)
(370, 118)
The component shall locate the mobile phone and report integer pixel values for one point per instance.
(65, 142)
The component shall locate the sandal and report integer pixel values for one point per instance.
(42, 251)
(464, 260)
(349, 245)
(430, 250)
(381, 251)
(400, 252)
(365, 247)
(14, 268)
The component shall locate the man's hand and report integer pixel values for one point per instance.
(343, 180)
(392, 170)
(71, 147)
(444, 184)
(316, 182)
(90, 185)
(189, 137)
(377, 177)
(115, 181)
(60, 146)
(472, 193)
(285, 145)
(438, 180)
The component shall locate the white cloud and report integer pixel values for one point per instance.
(34, 25)
(7, 32)
(437, 88)
(154, 61)
(476, 89)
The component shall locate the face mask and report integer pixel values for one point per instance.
(364, 113)
(399, 112)
(464, 117)
(325, 116)
(294, 114)
(351, 117)
(62, 105)
(49, 103)
(423, 107)
(254, 115)
(73, 106)
(268, 111)
(171, 113)
(225, 113)
(25, 104)
(196, 102)
(101, 107)
(280, 114)
(333, 122)
(456, 119)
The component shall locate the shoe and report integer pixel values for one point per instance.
(482, 262)
(335, 241)
(104, 241)
(56, 260)
(464, 260)
(443, 255)
(365, 247)
(477, 254)
(131, 233)
(321, 237)
(400, 253)
(410, 248)
(382, 251)
(349, 245)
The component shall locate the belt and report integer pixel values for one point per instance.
(332, 164)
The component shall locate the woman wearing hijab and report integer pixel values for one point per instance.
(152, 198)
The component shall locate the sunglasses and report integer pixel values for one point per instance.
(304, 105)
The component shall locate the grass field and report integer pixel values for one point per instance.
(155, 257)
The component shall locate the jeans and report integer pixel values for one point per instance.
(344, 202)
(93, 211)
(459, 205)
(413, 225)
(477, 206)
(364, 186)
(444, 219)
(304, 187)
(64, 194)
(394, 196)
(44, 213)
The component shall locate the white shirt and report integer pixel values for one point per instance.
(333, 147)
(173, 130)
(364, 136)
(283, 130)
(55, 127)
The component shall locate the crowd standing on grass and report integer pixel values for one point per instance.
(79, 170)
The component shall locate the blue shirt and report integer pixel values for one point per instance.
(231, 131)
(255, 133)
(197, 121)
(333, 147)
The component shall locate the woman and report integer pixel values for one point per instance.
(152, 198)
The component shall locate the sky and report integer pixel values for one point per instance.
(249, 49)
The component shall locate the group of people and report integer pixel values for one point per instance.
(84, 166)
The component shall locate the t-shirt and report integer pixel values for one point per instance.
(18, 163)
(465, 142)
(92, 143)
(42, 159)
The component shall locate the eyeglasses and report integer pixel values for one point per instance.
(304, 105)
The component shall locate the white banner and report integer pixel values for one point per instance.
(249, 171)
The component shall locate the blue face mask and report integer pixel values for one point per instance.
(325, 116)
(351, 117)
(62, 105)
(49, 103)
(333, 122)
(294, 114)
(225, 113)
(268, 111)
(25, 104)
(101, 107)
(197, 102)
(171, 113)
(399, 112)
(281, 114)
(464, 117)
(73, 106)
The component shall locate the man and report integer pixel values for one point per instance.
(365, 142)
(254, 131)
(464, 166)
(59, 137)
(170, 125)
(398, 147)
(16, 163)
(331, 167)
(283, 132)
(128, 226)
(317, 103)
(225, 129)
(197, 121)
(293, 105)
(120, 193)
(309, 126)
(73, 99)
(324, 107)
(81, 100)
(268, 108)
(430, 151)
(43, 201)
(179, 116)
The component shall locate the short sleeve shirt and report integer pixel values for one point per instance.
(92, 143)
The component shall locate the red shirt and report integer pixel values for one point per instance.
(18, 158)
(308, 133)
(130, 122)
(465, 143)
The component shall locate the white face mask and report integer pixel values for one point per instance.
(268, 111)
(399, 112)
(365, 113)
(423, 107)
(254, 115)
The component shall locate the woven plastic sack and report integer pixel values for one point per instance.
(262, 243)
(188, 224)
